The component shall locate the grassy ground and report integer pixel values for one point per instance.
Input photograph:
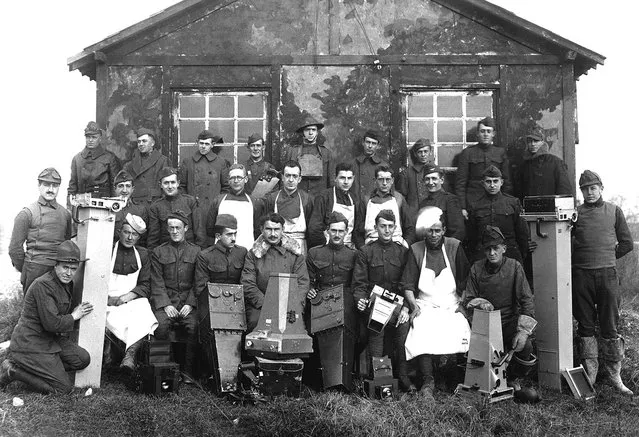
(116, 411)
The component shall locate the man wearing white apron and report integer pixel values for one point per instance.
(129, 315)
(436, 272)
(238, 204)
(292, 204)
(338, 199)
(385, 197)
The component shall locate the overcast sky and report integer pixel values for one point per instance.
(45, 107)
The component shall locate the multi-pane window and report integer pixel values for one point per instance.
(232, 115)
(447, 118)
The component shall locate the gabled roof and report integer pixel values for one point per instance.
(494, 17)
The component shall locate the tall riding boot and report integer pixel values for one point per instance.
(129, 361)
(425, 363)
(589, 354)
(612, 350)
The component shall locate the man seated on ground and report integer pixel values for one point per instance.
(129, 315)
(385, 197)
(381, 262)
(273, 251)
(331, 265)
(433, 281)
(499, 283)
(41, 352)
(172, 287)
(124, 187)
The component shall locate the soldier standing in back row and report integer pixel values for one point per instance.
(365, 165)
(145, 166)
(257, 168)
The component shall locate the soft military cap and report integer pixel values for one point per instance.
(536, 133)
(421, 143)
(136, 222)
(122, 176)
(226, 221)
(589, 177)
(336, 217)
(165, 172)
(488, 122)
(309, 120)
(68, 252)
(206, 134)
(50, 174)
(92, 129)
(180, 215)
(254, 138)
(492, 236)
(371, 134)
(492, 172)
(145, 131)
(432, 168)
(386, 214)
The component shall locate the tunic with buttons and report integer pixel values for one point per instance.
(364, 175)
(133, 207)
(219, 265)
(204, 177)
(173, 275)
(378, 263)
(93, 171)
(145, 169)
(449, 204)
(503, 211)
(159, 212)
(330, 265)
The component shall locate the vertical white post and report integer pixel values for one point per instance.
(95, 239)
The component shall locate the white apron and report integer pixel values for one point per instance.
(438, 330)
(243, 213)
(295, 227)
(349, 213)
(372, 209)
(134, 320)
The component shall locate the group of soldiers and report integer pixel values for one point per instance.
(357, 224)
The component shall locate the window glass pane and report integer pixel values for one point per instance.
(449, 131)
(446, 155)
(479, 105)
(227, 152)
(242, 154)
(419, 129)
(186, 151)
(221, 107)
(420, 106)
(247, 127)
(223, 128)
(192, 107)
(250, 106)
(189, 130)
(449, 106)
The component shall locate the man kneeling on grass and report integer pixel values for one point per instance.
(41, 353)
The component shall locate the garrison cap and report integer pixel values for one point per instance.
(92, 129)
(488, 122)
(589, 177)
(180, 215)
(146, 131)
(165, 172)
(536, 133)
(386, 214)
(309, 120)
(492, 236)
(206, 134)
(122, 176)
(136, 222)
(492, 172)
(254, 138)
(371, 134)
(432, 168)
(421, 143)
(68, 252)
(50, 174)
(226, 221)
(336, 217)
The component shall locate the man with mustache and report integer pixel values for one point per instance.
(600, 237)
(43, 225)
(41, 353)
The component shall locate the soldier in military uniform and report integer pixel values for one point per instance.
(43, 225)
(145, 167)
(204, 174)
(258, 169)
(474, 160)
(381, 262)
(173, 295)
(412, 182)
(171, 202)
(497, 209)
(124, 188)
(447, 202)
(93, 170)
(313, 156)
(364, 166)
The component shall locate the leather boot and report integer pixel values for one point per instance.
(612, 352)
(589, 354)
(427, 388)
(405, 383)
(5, 374)
(129, 361)
(36, 383)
